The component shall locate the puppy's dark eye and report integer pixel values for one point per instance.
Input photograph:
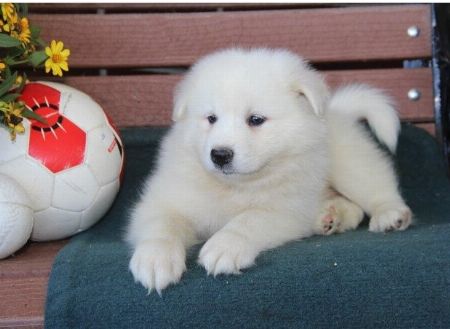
(211, 118)
(255, 120)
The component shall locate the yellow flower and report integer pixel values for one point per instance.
(16, 128)
(2, 66)
(57, 58)
(25, 33)
(9, 16)
(12, 118)
(19, 80)
(4, 26)
(8, 10)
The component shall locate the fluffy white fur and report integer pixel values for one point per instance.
(277, 186)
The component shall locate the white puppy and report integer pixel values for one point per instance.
(259, 155)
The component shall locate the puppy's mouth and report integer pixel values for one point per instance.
(226, 170)
(231, 171)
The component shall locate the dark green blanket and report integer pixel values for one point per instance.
(353, 280)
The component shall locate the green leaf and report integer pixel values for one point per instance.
(26, 113)
(37, 58)
(6, 85)
(14, 52)
(11, 97)
(11, 61)
(22, 9)
(39, 42)
(6, 73)
(35, 31)
(8, 42)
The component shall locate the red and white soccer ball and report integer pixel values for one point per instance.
(70, 168)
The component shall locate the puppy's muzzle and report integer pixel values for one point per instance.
(222, 156)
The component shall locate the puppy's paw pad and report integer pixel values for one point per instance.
(328, 221)
(227, 252)
(391, 220)
(158, 263)
(339, 215)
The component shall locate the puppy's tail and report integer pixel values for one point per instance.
(361, 102)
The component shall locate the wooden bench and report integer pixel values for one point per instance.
(129, 57)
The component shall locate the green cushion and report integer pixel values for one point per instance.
(353, 280)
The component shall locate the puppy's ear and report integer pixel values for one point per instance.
(311, 84)
(178, 110)
(179, 102)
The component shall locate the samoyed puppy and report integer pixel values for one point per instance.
(260, 154)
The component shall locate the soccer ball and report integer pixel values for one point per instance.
(71, 167)
(16, 216)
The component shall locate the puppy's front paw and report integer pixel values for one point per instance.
(158, 263)
(227, 252)
(389, 219)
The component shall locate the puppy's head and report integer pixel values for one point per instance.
(247, 110)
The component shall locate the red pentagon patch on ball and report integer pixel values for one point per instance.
(60, 144)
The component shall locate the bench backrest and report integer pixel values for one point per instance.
(129, 57)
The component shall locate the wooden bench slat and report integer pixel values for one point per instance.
(23, 284)
(141, 100)
(33, 260)
(397, 83)
(22, 301)
(166, 6)
(321, 35)
(430, 127)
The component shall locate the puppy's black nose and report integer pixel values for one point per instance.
(221, 156)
